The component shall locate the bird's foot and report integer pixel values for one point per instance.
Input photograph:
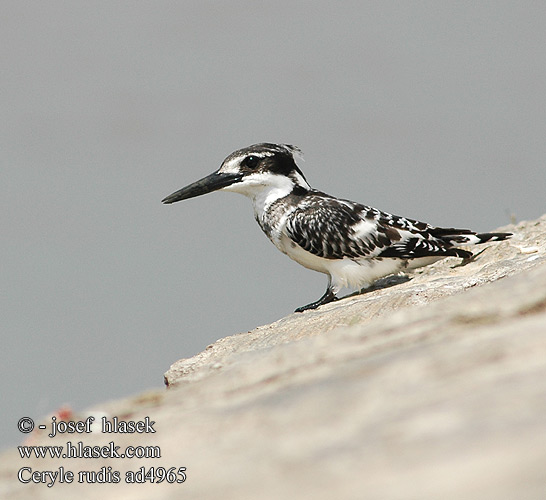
(329, 296)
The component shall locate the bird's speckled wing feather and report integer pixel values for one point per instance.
(336, 229)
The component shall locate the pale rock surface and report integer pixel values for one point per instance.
(434, 388)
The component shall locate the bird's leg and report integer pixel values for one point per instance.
(329, 296)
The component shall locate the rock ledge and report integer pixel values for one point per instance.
(432, 388)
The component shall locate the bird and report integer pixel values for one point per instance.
(353, 244)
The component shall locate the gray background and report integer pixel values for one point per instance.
(432, 110)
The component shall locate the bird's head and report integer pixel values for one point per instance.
(249, 171)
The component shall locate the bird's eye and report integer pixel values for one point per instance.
(251, 161)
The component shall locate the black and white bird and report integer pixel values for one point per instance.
(353, 244)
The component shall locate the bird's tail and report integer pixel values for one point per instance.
(483, 237)
(466, 237)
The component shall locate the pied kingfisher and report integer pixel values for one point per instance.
(351, 243)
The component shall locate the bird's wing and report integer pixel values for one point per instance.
(335, 229)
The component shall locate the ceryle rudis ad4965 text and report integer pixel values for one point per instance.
(352, 244)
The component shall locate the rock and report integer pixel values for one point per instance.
(431, 388)
(447, 277)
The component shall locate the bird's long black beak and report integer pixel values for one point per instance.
(212, 182)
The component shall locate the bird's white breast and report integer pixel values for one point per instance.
(345, 273)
